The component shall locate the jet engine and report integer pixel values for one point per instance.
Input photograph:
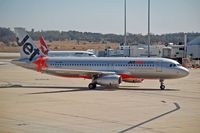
(109, 80)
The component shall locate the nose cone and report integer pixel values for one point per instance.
(183, 72)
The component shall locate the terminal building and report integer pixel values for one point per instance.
(183, 53)
(135, 50)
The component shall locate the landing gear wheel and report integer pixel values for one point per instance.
(92, 86)
(162, 87)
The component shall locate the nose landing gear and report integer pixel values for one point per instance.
(162, 86)
(92, 86)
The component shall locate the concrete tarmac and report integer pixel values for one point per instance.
(31, 102)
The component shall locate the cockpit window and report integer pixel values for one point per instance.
(174, 65)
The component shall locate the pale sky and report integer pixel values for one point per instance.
(101, 16)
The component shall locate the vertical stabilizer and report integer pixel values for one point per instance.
(28, 48)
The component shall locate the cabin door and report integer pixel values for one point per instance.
(110, 66)
(159, 67)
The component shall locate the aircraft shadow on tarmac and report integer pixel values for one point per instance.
(145, 89)
(76, 89)
(64, 89)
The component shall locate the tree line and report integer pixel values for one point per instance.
(6, 36)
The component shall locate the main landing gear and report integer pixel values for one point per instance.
(162, 86)
(92, 86)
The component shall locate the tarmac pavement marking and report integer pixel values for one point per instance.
(152, 119)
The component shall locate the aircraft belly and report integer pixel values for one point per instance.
(141, 73)
(66, 74)
(150, 75)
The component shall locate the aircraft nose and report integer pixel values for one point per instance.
(184, 72)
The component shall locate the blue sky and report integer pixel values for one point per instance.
(102, 16)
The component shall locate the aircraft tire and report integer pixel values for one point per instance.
(92, 86)
(162, 87)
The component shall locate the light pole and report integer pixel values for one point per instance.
(149, 39)
(185, 45)
(124, 22)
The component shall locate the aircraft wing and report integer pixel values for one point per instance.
(75, 73)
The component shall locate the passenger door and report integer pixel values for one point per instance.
(159, 66)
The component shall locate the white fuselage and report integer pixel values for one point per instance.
(147, 68)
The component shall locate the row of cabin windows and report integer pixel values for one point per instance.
(137, 65)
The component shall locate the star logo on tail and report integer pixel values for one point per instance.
(41, 63)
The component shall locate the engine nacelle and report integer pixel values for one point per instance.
(111, 80)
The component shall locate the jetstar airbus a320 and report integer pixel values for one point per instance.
(101, 71)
